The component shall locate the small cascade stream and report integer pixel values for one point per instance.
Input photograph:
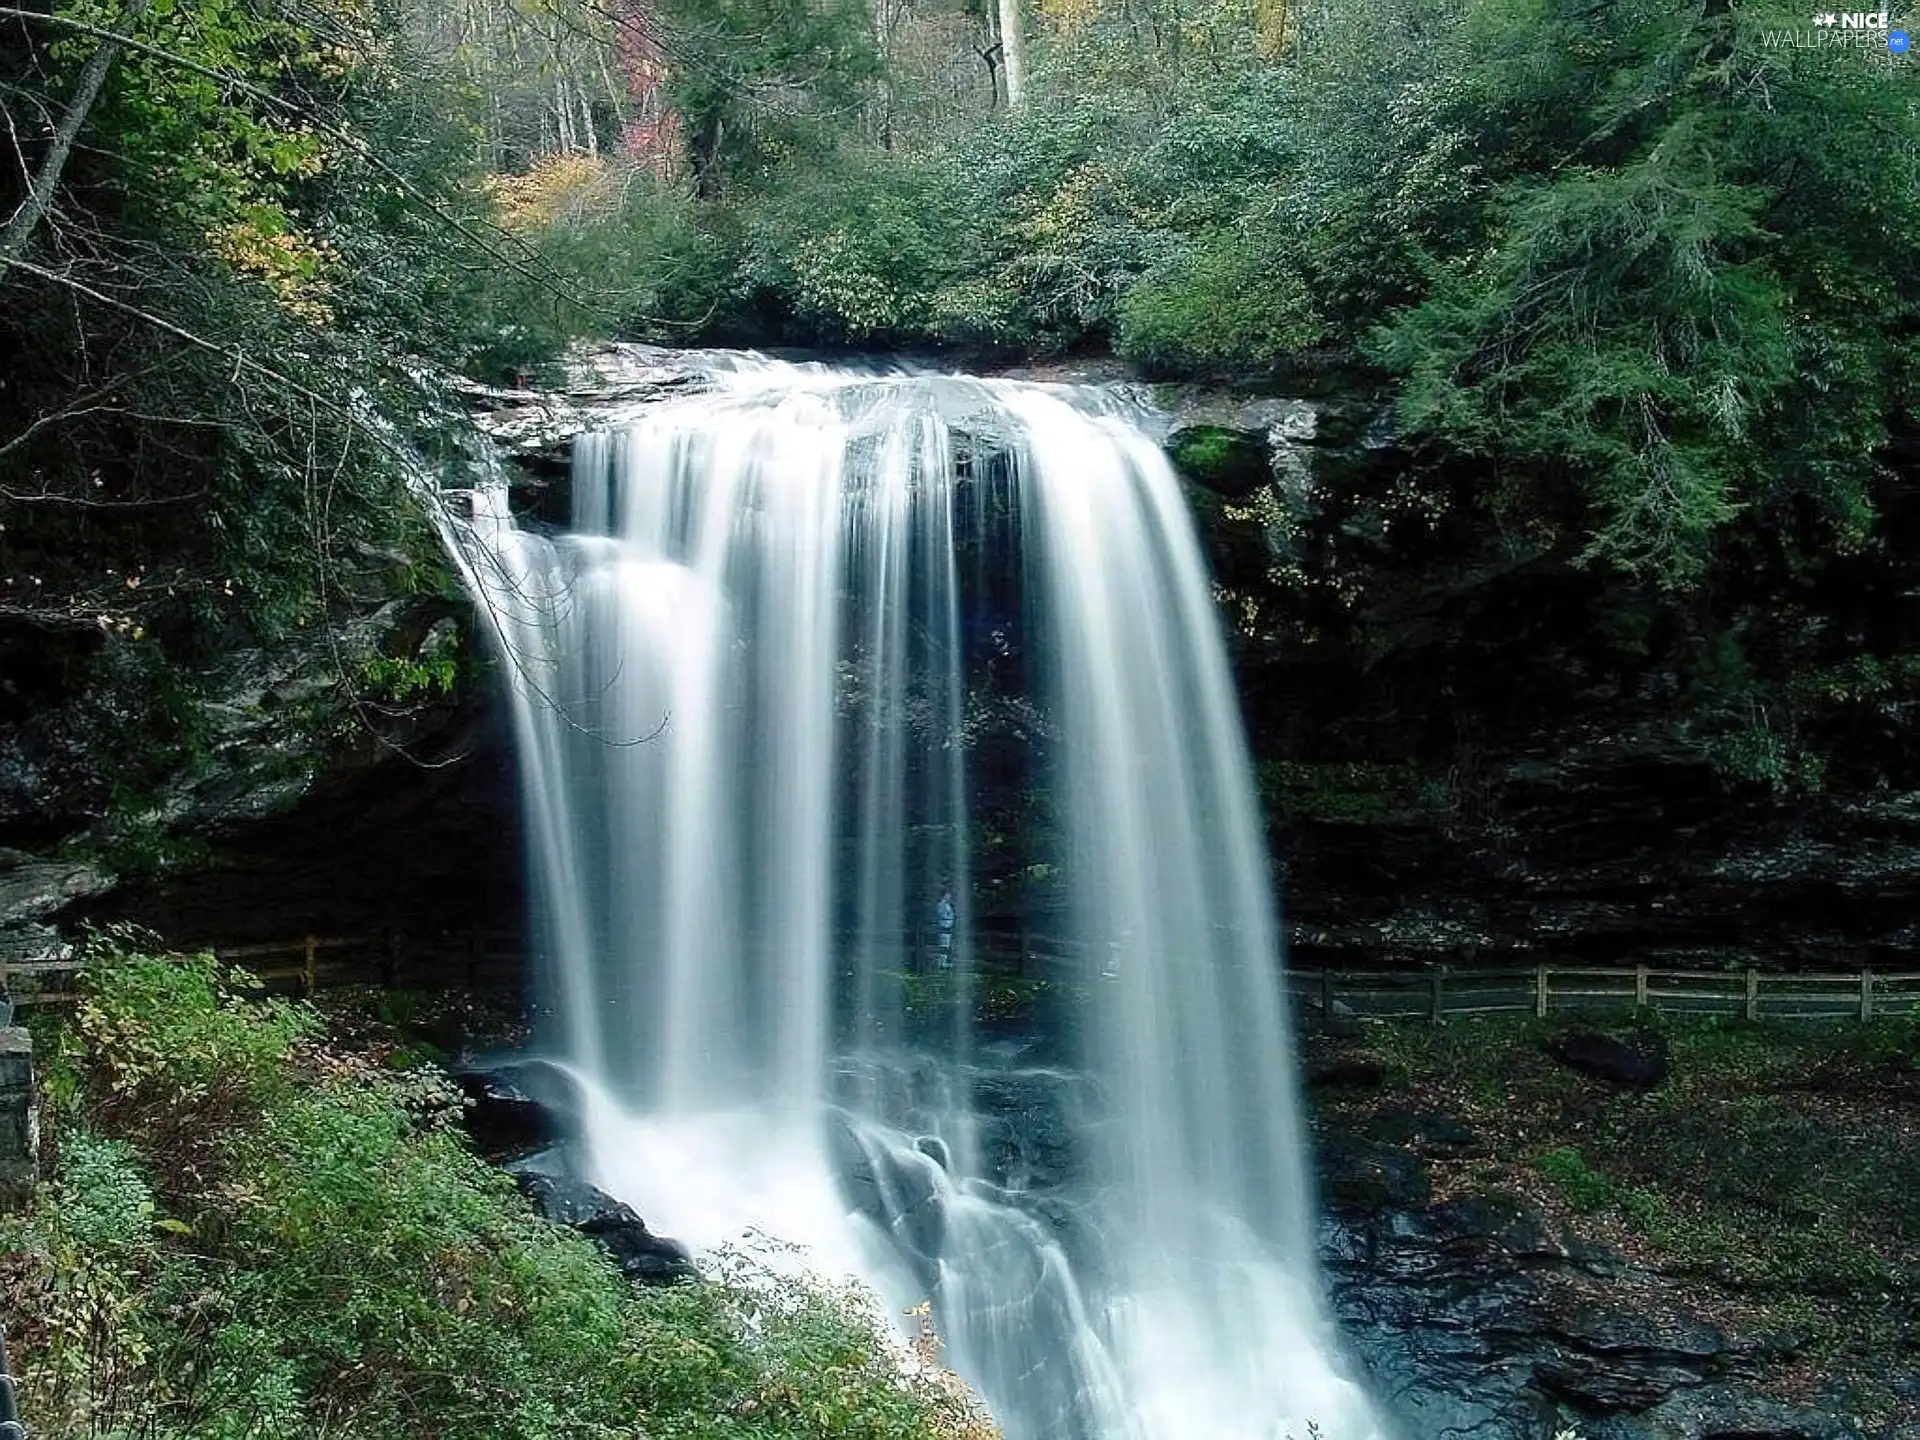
(745, 685)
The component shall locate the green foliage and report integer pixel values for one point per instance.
(101, 1198)
(857, 255)
(760, 83)
(166, 1030)
(1224, 303)
(1655, 320)
(251, 1235)
(648, 260)
(1349, 793)
(1755, 751)
(1567, 1169)
(273, 217)
(1611, 251)
(401, 679)
(1228, 462)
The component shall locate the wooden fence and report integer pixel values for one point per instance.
(474, 960)
(496, 959)
(1440, 993)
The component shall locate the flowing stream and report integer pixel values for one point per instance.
(751, 682)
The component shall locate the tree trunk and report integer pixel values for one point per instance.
(704, 151)
(1013, 52)
(40, 187)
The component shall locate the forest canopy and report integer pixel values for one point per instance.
(1638, 267)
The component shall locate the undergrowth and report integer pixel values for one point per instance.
(247, 1233)
(1776, 1166)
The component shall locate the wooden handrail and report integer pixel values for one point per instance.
(1434, 992)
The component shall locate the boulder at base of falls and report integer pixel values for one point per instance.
(1478, 1315)
(896, 1188)
(1361, 1178)
(1637, 1064)
(513, 1109)
(641, 1255)
(1614, 1359)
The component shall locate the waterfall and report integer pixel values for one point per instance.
(758, 687)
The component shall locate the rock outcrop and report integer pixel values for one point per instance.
(642, 1256)
(1475, 750)
(33, 891)
(1479, 1316)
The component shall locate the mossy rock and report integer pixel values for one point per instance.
(1233, 463)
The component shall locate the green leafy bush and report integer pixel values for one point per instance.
(1584, 1187)
(252, 1235)
(1227, 302)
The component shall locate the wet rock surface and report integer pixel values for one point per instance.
(517, 1108)
(1723, 1412)
(1481, 1316)
(422, 840)
(1471, 1311)
(34, 890)
(1476, 751)
(641, 1255)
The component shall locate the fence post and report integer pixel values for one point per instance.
(10, 1425)
(1436, 1001)
(19, 1120)
(1541, 992)
(1640, 987)
(1753, 994)
(311, 966)
(1866, 995)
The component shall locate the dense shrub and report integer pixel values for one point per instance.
(248, 1234)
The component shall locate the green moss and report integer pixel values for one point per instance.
(1227, 462)
(1584, 1187)
(1350, 793)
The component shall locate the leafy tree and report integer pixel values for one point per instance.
(761, 83)
(1686, 302)
(258, 230)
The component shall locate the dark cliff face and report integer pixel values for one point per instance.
(424, 843)
(309, 798)
(1472, 747)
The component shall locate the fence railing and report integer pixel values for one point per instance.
(490, 958)
(1545, 990)
(476, 959)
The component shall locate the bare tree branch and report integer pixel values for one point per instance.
(524, 264)
(40, 188)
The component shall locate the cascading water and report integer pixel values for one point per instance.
(749, 688)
